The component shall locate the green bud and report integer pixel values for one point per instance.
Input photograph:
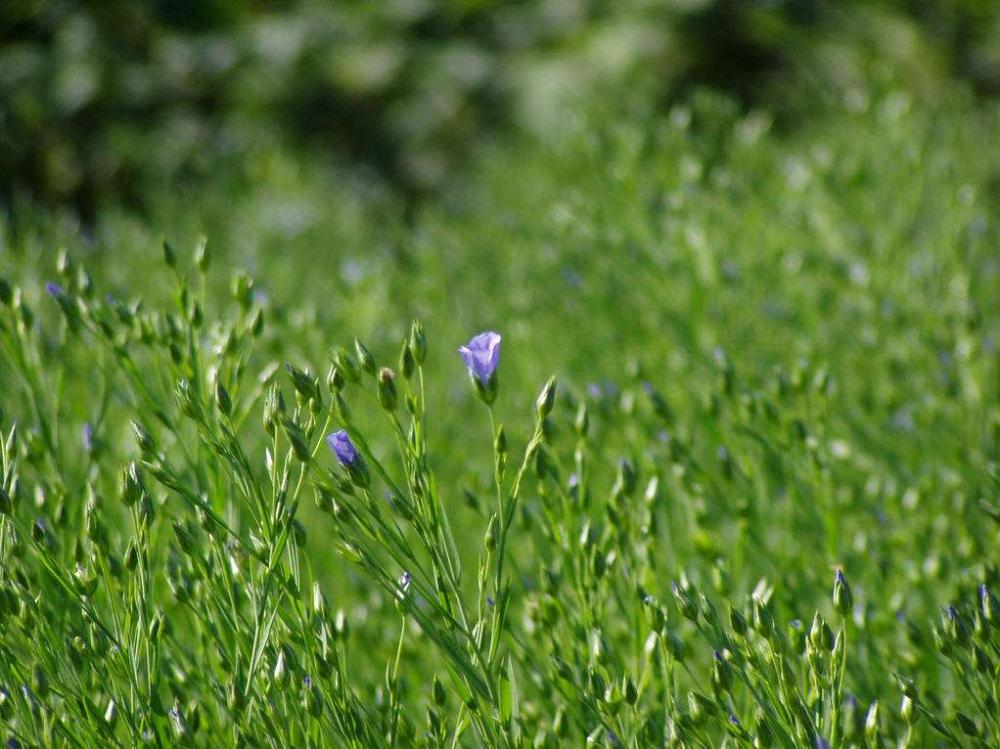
(546, 399)
(132, 488)
(407, 362)
(842, 599)
(365, 358)
(737, 621)
(222, 400)
(722, 672)
(185, 539)
(625, 480)
(142, 438)
(440, 696)
(387, 389)
(418, 341)
(490, 540)
(169, 256)
(763, 622)
(39, 682)
(629, 690)
(242, 290)
(347, 365)
(686, 604)
(967, 724)
(274, 408)
(334, 380)
(131, 560)
(304, 385)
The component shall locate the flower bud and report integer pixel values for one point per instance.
(142, 438)
(546, 399)
(347, 364)
(418, 341)
(305, 385)
(387, 396)
(737, 621)
(722, 672)
(440, 696)
(967, 724)
(222, 400)
(365, 358)
(169, 256)
(407, 362)
(842, 599)
(490, 539)
(686, 604)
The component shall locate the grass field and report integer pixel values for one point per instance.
(758, 504)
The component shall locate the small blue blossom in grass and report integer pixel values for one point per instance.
(349, 458)
(482, 355)
(343, 448)
(54, 290)
(87, 437)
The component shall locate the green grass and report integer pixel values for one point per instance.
(775, 357)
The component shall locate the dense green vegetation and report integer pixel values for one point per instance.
(775, 359)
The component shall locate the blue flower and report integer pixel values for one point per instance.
(88, 437)
(343, 448)
(54, 290)
(482, 355)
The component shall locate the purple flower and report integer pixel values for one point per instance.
(482, 355)
(88, 437)
(343, 448)
(54, 289)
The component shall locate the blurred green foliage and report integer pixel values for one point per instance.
(104, 98)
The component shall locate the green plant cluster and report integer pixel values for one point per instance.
(758, 504)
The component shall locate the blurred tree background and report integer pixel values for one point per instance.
(101, 99)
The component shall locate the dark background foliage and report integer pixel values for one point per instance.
(101, 98)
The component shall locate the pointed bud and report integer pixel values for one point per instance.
(387, 389)
(365, 358)
(842, 598)
(546, 399)
(222, 400)
(418, 341)
(347, 364)
(169, 256)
